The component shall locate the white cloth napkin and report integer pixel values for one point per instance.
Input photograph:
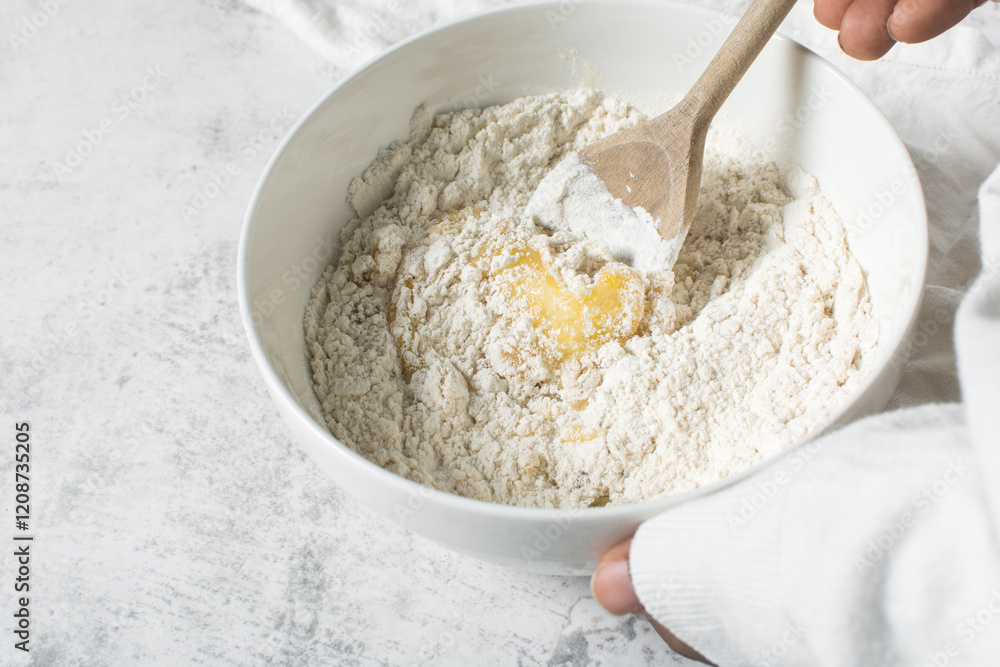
(348, 32)
(877, 545)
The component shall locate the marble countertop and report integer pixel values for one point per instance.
(175, 520)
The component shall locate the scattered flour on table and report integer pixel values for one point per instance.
(456, 343)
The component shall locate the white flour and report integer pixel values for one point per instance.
(456, 344)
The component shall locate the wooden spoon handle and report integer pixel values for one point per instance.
(729, 65)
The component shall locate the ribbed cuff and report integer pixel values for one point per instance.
(709, 571)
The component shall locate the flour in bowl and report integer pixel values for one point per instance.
(458, 344)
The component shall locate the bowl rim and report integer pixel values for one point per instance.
(624, 513)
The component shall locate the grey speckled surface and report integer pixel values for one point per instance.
(175, 520)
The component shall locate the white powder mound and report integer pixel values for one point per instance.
(572, 197)
(456, 343)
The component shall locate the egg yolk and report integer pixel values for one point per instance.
(582, 319)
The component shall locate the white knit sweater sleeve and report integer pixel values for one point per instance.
(876, 545)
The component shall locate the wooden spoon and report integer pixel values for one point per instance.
(656, 165)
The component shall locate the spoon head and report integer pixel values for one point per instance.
(573, 198)
(640, 175)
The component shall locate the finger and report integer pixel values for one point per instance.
(611, 584)
(830, 12)
(863, 31)
(919, 20)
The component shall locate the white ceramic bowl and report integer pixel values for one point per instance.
(791, 101)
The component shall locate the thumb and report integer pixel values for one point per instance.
(611, 586)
